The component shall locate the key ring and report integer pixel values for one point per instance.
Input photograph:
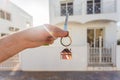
(66, 45)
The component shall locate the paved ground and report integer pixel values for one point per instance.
(7, 75)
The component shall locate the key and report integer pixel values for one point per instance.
(66, 41)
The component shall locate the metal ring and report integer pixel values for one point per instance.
(61, 41)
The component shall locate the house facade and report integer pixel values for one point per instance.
(92, 25)
(12, 19)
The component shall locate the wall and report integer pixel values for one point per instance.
(118, 57)
(48, 59)
(77, 32)
(111, 34)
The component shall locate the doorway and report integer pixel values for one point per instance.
(95, 37)
(98, 55)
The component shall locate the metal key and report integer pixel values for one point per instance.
(68, 37)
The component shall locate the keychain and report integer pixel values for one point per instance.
(66, 41)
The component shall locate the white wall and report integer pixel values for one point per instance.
(48, 59)
(77, 32)
(118, 57)
(110, 34)
(110, 7)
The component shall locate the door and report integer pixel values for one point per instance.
(95, 37)
(98, 55)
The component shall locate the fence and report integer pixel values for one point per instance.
(101, 56)
(10, 64)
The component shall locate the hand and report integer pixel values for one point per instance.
(38, 36)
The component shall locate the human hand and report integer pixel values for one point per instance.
(37, 36)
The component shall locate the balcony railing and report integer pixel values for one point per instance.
(101, 56)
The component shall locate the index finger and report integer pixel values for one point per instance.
(55, 31)
(61, 33)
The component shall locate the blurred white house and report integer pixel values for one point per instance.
(92, 25)
(12, 19)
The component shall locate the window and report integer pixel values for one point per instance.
(17, 29)
(93, 37)
(5, 15)
(3, 34)
(68, 6)
(93, 6)
(90, 7)
(13, 29)
(2, 14)
(97, 6)
(8, 16)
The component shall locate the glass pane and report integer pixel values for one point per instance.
(93, 37)
(2, 14)
(97, 8)
(70, 8)
(8, 16)
(90, 37)
(89, 7)
(63, 9)
(99, 33)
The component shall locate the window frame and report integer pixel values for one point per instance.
(94, 9)
(68, 5)
(8, 16)
(2, 14)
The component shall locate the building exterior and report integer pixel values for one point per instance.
(12, 19)
(93, 28)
